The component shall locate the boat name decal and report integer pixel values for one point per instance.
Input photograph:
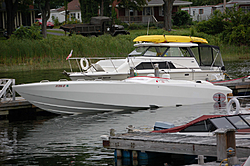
(61, 86)
(160, 81)
(219, 97)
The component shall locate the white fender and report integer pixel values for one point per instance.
(229, 106)
(82, 65)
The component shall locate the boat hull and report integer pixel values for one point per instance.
(136, 93)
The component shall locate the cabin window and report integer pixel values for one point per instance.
(247, 118)
(138, 51)
(207, 56)
(203, 126)
(222, 123)
(195, 52)
(177, 52)
(155, 51)
(150, 65)
(238, 122)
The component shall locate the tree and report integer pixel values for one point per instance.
(44, 7)
(167, 8)
(11, 9)
(66, 10)
(89, 8)
(181, 18)
(12, 6)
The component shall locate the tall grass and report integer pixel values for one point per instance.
(50, 53)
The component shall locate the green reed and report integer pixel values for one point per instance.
(51, 53)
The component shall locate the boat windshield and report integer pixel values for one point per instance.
(161, 51)
(238, 122)
(208, 125)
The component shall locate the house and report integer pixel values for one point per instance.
(74, 12)
(152, 12)
(22, 18)
(199, 13)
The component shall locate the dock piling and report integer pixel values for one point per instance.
(226, 145)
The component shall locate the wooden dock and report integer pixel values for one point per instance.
(173, 143)
(18, 103)
(177, 144)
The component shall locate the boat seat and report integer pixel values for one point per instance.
(97, 67)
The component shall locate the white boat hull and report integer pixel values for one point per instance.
(132, 93)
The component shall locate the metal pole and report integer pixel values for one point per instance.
(13, 90)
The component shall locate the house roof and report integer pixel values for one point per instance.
(193, 7)
(240, 1)
(73, 5)
(160, 3)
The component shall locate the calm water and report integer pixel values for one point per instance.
(75, 140)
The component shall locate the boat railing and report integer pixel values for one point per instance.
(7, 91)
(93, 67)
(90, 60)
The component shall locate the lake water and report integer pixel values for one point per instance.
(75, 140)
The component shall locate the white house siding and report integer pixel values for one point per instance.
(61, 15)
(199, 13)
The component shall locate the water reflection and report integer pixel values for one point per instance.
(73, 140)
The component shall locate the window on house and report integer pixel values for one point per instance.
(161, 11)
(131, 12)
(194, 13)
(147, 11)
(246, 9)
(201, 11)
(73, 15)
(78, 15)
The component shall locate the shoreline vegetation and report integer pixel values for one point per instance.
(51, 53)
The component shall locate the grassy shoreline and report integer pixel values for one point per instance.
(51, 53)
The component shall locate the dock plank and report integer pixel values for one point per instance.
(9, 104)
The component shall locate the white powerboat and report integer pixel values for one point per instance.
(115, 95)
(182, 57)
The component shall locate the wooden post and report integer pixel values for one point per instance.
(200, 159)
(118, 153)
(225, 138)
(134, 155)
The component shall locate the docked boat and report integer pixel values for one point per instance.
(182, 57)
(142, 92)
(207, 124)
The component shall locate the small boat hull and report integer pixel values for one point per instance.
(132, 93)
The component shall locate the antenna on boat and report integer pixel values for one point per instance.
(148, 25)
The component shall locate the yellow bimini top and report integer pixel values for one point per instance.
(169, 39)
